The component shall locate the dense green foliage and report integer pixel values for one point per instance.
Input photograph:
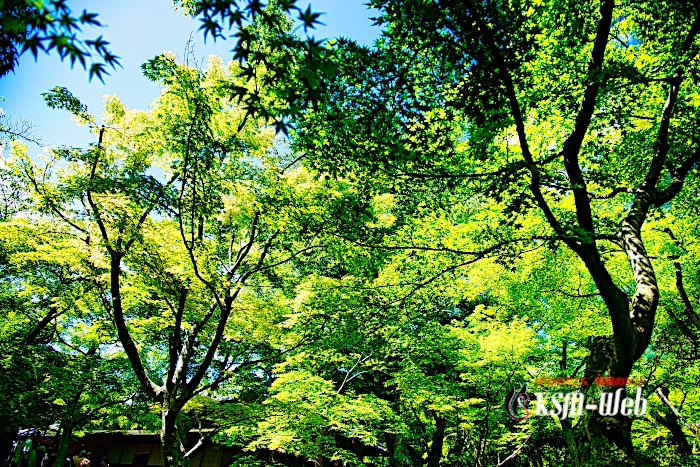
(494, 194)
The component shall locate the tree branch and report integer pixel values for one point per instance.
(572, 145)
(688, 308)
(515, 453)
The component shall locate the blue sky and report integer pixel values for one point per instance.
(138, 30)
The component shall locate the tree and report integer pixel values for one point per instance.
(494, 192)
(55, 351)
(183, 217)
(577, 116)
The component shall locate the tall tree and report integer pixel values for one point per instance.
(581, 115)
(183, 216)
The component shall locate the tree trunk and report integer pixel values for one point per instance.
(571, 449)
(435, 453)
(610, 437)
(670, 420)
(632, 323)
(172, 437)
(6, 437)
(62, 452)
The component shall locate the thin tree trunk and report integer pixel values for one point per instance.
(571, 449)
(691, 325)
(435, 453)
(669, 419)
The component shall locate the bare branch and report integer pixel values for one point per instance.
(515, 453)
(349, 372)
